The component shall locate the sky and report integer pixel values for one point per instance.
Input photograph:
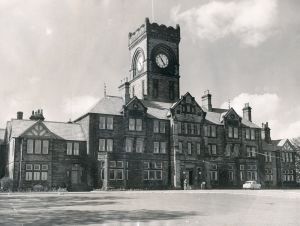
(57, 55)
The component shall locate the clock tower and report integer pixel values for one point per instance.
(154, 62)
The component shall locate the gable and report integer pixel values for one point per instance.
(187, 105)
(287, 147)
(135, 108)
(231, 117)
(38, 130)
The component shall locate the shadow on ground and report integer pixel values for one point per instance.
(82, 210)
(76, 217)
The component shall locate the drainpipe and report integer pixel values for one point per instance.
(20, 165)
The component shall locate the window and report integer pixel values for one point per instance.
(76, 148)
(146, 165)
(152, 170)
(233, 132)
(192, 129)
(159, 126)
(160, 147)
(110, 123)
(156, 147)
(242, 175)
(198, 129)
(162, 127)
(109, 145)
(268, 156)
(69, 148)
(213, 175)
(236, 150)
(36, 172)
(210, 131)
(129, 145)
(45, 147)
(230, 175)
(189, 148)
(180, 147)
(248, 133)
(186, 128)
(138, 124)
(38, 147)
(179, 129)
(242, 167)
(198, 148)
(101, 144)
(163, 147)
(102, 122)
(139, 145)
(44, 176)
(251, 152)
(212, 149)
(29, 146)
(155, 126)
(236, 132)
(135, 124)
(131, 124)
(230, 132)
(213, 131)
(116, 171)
(106, 145)
(28, 174)
(252, 134)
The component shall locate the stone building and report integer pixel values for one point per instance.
(51, 154)
(150, 137)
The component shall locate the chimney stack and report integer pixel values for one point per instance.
(266, 132)
(247, 112)
(127, 94)
(20, 115)
(206, 101)
(37, 115)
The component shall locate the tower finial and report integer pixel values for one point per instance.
(104, 89)
(229, 104)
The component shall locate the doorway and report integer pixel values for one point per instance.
(191, 177)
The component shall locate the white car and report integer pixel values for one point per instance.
(251, 184)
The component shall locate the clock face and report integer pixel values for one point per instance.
(162, 60)
(140, 63)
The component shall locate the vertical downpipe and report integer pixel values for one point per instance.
(20, 163)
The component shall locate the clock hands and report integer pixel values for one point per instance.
(162, 60)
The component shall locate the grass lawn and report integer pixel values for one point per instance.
(209, 207)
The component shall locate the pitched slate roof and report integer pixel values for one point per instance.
(67, 131)
(216, 116)
(157, 109)
(113, 105)
(110, 105)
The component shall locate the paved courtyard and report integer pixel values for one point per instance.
(209, 207)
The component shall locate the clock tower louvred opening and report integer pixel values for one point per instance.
(154, 70)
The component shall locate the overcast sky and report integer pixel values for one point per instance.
(57, 54)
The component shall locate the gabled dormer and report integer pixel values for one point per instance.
(231, 118)
(187, 106)
(287, 146)
(40, 131)
(134, 108)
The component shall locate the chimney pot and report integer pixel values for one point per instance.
(20, 115)
(127, 94)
